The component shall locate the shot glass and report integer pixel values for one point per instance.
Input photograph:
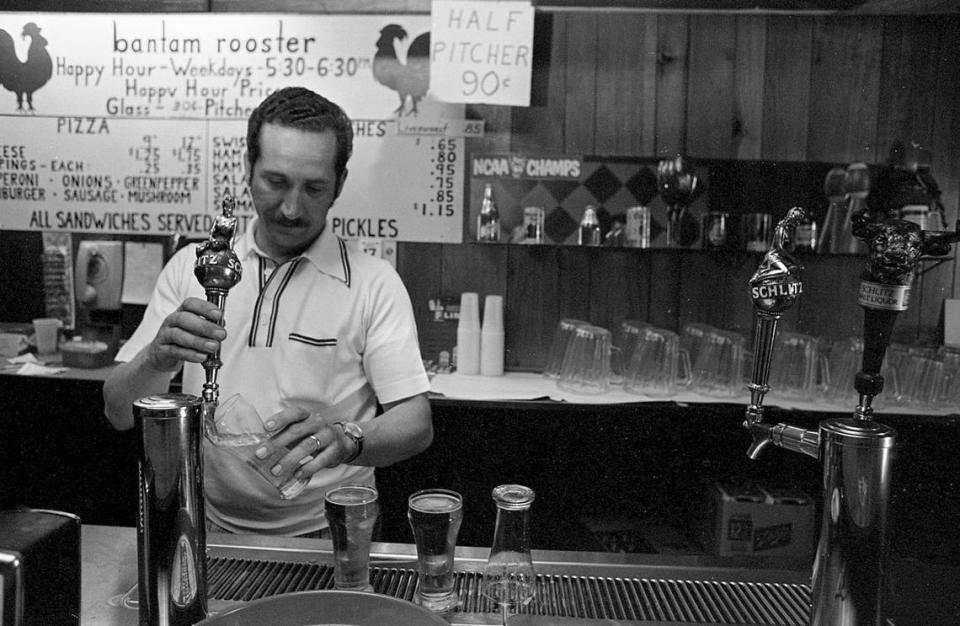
(352, 513)
(435, 516)
(239, 430)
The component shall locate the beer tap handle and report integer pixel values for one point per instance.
(774, 288)
(894, 248)
(218, 269)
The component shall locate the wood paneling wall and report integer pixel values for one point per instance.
(836, 89)
(804, 87)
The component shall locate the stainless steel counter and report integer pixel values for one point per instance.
(573, 587)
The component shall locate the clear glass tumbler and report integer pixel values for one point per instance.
(352, 513)
(435, 516)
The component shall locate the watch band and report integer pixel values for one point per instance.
(353, 431)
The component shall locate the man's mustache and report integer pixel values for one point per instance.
(282, 221)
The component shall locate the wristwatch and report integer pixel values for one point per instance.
(355, 433)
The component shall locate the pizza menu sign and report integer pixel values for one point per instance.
(136, 123)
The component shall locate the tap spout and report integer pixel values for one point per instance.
(783, 436)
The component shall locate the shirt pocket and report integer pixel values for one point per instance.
(310, 362)
(319, 342)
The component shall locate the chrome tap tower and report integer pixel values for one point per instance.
(856, 452)
(171, 533)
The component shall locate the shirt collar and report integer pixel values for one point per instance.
(328, 252)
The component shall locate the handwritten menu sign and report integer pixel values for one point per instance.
(481, 52)
(136, 123)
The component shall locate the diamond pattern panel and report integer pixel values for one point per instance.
(603, 184)
(609, 184)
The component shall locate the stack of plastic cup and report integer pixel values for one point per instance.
(468, 335)
(491, 337)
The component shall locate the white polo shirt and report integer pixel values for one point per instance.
(332, 331)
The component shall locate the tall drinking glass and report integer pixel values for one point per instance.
(352, 512)
(435, 516)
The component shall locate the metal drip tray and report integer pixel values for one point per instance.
(572, 587)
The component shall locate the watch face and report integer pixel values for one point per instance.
(353, 430)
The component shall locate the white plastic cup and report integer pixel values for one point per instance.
(468, 335)
(47, 334)
(491, 337)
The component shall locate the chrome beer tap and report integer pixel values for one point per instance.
(171, 523)
(856, 452)
(774, 288)
(218, 269)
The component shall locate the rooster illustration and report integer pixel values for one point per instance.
(24, 78)
(411, 79)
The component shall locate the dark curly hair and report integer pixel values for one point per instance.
(300, 108)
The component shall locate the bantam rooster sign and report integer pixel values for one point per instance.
(129, 123)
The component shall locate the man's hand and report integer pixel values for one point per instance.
(191, 333)
(313, 442)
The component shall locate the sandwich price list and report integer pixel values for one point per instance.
(443, 177)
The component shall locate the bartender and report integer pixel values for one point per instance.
(319, 337)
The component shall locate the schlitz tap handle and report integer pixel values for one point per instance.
(894, 248)
(774, 288)
(218, 269)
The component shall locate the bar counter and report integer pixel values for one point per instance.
(633, 462)
(919, 595)
(109, 572)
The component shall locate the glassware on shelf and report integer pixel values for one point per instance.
(589, 233)
(509, 579)
(488, 221)
(679, 186)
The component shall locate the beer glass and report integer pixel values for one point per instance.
(798, 368)
(558, 348)
(435, 516)
(352, 513)
(586, 365)
(658, 367)
(718, 368)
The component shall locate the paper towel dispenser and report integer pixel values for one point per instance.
(99, 275)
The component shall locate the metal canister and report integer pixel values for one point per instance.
(533, 224)
(637, 228)
(715, 230)
(171, 532)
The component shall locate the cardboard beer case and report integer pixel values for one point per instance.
(752, 520)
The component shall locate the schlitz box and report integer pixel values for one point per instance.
(757, 521)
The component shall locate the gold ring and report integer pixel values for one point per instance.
(316, 441)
